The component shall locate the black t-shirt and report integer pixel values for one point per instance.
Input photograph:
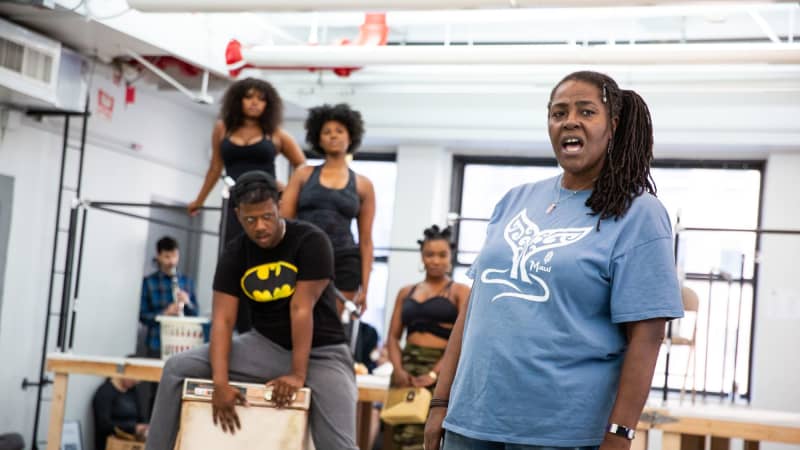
(268, 276)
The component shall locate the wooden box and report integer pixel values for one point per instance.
(264, 427)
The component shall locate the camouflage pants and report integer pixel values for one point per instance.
(416, 361)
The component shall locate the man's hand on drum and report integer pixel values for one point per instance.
(223, 401)
(284, 389)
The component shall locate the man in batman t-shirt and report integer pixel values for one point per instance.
(283, 267)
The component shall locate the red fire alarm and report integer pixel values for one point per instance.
(130, 94)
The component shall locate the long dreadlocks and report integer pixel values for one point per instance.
(626, 172)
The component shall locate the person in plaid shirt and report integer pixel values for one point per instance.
(158, 297)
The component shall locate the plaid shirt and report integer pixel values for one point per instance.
(156, 297)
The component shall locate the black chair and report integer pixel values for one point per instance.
(11, 441)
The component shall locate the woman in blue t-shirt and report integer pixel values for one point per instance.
(426, 312)
(572, 288)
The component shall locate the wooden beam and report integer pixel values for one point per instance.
(371, 394)
(107, 369)
(57, 411)
(640, 441)
(730, 429)
(671, 441)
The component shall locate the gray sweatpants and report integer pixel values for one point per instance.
(256, 359)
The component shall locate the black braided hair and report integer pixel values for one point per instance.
(434, 233)
(625, 174)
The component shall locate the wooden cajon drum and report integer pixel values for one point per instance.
(264, 427)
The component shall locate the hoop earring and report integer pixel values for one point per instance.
(421, 267)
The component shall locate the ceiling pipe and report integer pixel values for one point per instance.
(373, 33)
(391, 5)
(645, 54)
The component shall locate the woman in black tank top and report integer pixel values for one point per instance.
(246, 137)
(427, 311)
(331, 195)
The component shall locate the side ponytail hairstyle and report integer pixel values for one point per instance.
(626, 172)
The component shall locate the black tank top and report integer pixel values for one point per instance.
(426, 316)
(239, 159)
(333, 210)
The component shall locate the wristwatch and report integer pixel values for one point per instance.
(621, 430)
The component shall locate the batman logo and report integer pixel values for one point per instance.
(270, 282)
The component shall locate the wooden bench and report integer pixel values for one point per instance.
(370, 388)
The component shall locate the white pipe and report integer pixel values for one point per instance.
(532, 16)
(357, 56)
(523, 89)
(375, 5)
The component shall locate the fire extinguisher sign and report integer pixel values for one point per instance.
(105, 104)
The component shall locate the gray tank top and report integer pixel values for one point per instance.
(333, 210)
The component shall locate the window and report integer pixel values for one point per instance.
(381, 169)
(483, 183)
(718, 265)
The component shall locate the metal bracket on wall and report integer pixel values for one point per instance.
(43, 382)
(201, 97)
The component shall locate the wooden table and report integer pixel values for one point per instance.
(370, 388)
(685, 427)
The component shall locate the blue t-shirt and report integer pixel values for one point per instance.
(543, 346)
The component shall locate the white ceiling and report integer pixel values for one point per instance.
(470, 106)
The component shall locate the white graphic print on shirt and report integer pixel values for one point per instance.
(526, 240)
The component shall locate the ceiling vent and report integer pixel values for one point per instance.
(33, 68)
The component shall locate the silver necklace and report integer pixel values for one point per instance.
(558, 195)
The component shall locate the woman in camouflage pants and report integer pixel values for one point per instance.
(426, 311)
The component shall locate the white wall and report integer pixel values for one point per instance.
(173, 139)
(776, 359)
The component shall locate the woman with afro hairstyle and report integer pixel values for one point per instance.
(427, 312)
(331, 195)
(572, 289)
(246, 137)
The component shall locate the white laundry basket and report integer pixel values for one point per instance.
(179, 334)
